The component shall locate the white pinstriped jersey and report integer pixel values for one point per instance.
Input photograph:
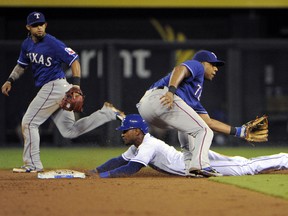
(158, 154)
(162, 157)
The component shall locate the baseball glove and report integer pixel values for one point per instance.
(73, 100)
(257, 129)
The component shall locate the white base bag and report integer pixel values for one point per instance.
(61, 174)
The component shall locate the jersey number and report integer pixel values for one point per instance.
(198, 91)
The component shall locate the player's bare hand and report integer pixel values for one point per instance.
(167, 100)
(6, 88)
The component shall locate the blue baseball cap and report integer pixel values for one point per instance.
(208, 56)
(133, 121)
(35, 17)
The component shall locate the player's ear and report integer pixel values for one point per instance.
(138, 130)
(28, 27)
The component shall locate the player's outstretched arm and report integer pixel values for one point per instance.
(126, 170)
(216, 125)
(253, 131)
(111, 164)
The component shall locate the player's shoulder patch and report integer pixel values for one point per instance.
(70, 51)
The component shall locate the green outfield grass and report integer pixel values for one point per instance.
(61, 157)
(274, 185)
(88, 158)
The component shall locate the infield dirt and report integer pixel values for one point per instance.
(147, 193)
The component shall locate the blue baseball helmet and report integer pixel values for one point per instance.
(132, 121)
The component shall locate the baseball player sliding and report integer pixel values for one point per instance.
(173, 102)
(46, 54)
(147, 150)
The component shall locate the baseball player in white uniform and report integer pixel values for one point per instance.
(146, 150)
(46, 54)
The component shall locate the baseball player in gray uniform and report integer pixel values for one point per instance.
(173, 102)
(46, 54)
(146, 150)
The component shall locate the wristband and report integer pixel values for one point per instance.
(240, 132)
(11, 80)
(233, 131)
(172, 89)
(76, 81)
(104, 174)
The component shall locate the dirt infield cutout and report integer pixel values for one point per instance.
(146, 193)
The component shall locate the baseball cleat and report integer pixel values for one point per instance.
(192, 175)
(119, 114)
(26, 169)
(206, 172)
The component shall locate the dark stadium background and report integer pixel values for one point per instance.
(253, 83)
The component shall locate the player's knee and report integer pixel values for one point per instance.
(65, 135)
(68, 134)
(209, 131)
(28, 125)
(24, 123)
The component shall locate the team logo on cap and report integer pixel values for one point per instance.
(214, 55)
(37, 15)
(69, 51)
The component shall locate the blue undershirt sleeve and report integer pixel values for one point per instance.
(126, 170)
(112, 164)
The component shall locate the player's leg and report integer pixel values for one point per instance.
(237, 165)
(200, 137)
(37, 113)
(151, 109)
(216, 156)
(203, 140)
(271, 162)
(186, 147)
(69, 128)
(232, 167)
(185, 119)
(229, 165)
(182, 118)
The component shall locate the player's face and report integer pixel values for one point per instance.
(129, 136)
(210, 70)
(37, 30)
